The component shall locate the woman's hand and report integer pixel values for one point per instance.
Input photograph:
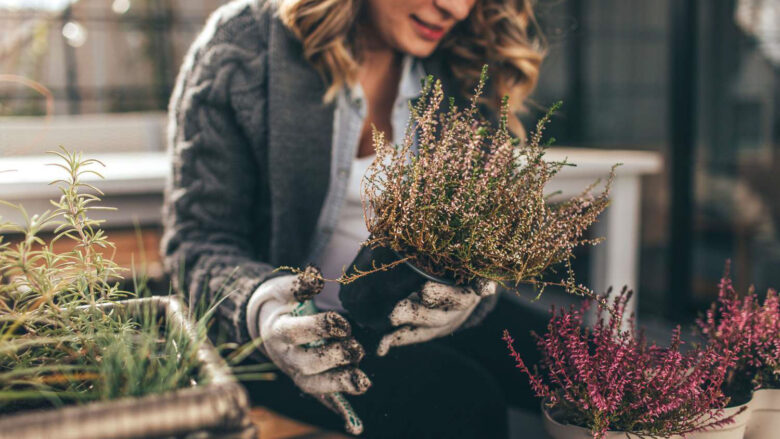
(317, 351)
(435, 311)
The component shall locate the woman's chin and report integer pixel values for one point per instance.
(420, 48)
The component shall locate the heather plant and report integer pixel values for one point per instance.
(463, 200)
(750, 331)
(57, 344)
(611, 378)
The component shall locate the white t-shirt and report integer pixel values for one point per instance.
(345, 242)
(350, 229)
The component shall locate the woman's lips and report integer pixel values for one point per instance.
(426, 30)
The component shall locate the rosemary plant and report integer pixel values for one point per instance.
(58, 345)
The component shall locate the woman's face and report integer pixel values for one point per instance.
(415, 26)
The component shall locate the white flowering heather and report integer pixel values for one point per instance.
(471, 202)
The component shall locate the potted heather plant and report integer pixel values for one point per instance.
(750, 331)
(81, 358)
(459, 201)
(609, 382)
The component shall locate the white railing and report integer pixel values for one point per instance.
(90, 133)
(134, 183)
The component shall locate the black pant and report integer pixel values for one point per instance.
(454, 387)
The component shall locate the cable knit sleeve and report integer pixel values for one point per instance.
(209, 213)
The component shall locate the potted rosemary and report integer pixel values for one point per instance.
(461, 200)
(80, 358)
(750, 331)
(609, 382)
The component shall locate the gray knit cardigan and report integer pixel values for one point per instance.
(250, 140)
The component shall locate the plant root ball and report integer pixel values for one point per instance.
(309, 283)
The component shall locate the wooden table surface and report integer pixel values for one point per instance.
(272, 425)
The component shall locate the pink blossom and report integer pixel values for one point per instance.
(608, 378)
(747, 330)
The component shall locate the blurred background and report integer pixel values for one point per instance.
(694, 81)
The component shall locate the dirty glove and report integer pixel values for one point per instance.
(292, 342)
(435, 311)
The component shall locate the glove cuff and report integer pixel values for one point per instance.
(271, 289)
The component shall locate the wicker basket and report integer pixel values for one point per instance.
(217, 409)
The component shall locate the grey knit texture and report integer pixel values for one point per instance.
(250, 142)
(216, 137)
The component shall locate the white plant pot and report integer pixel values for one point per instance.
(735, 430)
(556, 430)
(764, 420)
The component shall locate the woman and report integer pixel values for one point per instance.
(270, 134)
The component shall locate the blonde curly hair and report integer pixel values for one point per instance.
(501, 33)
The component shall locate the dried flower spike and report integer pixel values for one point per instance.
(464, 200)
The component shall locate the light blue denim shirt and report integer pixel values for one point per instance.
(348, 120)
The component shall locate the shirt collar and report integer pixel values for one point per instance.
(412, 75)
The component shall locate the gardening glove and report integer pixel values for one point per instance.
(437, 310)
(292, 342)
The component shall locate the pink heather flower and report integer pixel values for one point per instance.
(608, 378)
(749, 331)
